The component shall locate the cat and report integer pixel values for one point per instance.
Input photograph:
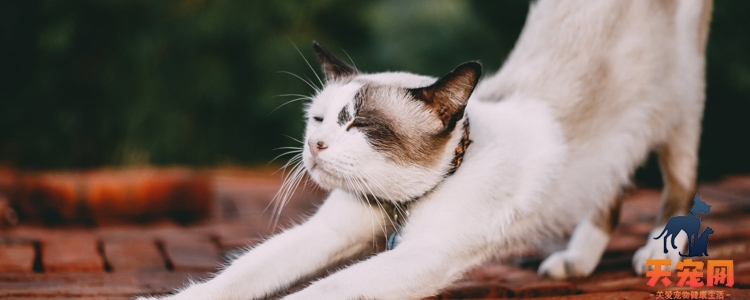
(700, 246)
(690, 224)
(467, 171)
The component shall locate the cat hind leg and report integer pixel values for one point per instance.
(678, 163)
(585, 248)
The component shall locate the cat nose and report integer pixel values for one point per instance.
(317, 146)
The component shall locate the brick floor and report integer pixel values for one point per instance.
(116, 260)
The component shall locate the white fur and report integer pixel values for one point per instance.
(584, 250)
(654, 249)
(589, 90)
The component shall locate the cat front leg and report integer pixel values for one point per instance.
(410, 271)
(342, 228)
(429, 258)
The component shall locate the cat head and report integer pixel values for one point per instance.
(699, 206)
(391, 135)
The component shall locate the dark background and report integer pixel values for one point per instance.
(117, 83)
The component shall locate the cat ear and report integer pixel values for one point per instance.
(448, 96)
(333, 67)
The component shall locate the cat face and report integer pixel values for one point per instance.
(390, 135)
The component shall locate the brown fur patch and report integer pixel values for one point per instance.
(608, 219)
(391, 134)
(677, 198)
(344, 116)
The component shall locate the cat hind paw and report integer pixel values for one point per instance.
(654, 249)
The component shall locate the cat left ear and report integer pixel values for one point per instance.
(448, 96)
(333, 67)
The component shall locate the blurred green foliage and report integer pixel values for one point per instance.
(114, 82)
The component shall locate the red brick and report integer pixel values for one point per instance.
(742, 267)
(733, 250)
(49, 197)
(742, 281)
(229, 235)
(466, 290)
(134, 255)
(71, 254)
(625, 243)
(190, 252)
(179, 193)
(75, 285)
(737, 294)
(8, 215)
(17, 258)
(736, 185)
(605, 296)
(615, 284)
(638, 228)
(543, 288)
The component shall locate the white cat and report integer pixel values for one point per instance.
(540, 149)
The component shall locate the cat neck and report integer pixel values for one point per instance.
(455, 163)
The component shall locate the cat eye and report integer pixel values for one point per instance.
(360, 124)
(318, 119)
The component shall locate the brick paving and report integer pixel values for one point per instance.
(118, 259)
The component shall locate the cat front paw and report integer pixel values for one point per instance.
(565, 264)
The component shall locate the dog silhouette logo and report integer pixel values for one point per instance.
(691, 225)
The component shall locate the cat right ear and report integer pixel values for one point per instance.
(448, 96)
(334, 68)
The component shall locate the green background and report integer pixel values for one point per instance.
(116, 83)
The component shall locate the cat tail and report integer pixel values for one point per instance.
(684, 255)
(662, 233)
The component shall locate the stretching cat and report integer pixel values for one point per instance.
(466, 173)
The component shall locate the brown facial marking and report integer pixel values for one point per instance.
(344, 116)
(377, 128)
(393, 134)
(359, 99)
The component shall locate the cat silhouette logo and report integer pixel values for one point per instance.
(691, 225)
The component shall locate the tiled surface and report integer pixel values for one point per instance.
(117, 261)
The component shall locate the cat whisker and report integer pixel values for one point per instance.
(288, 193)
(288, 102)
(293, 95)
(356, 192)
(288, 187)
(296, 150)
(350, 58)
(312, 86)
(360, 187)
(377, 201)
(294, 139)
(307, 62)
(288, 147)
